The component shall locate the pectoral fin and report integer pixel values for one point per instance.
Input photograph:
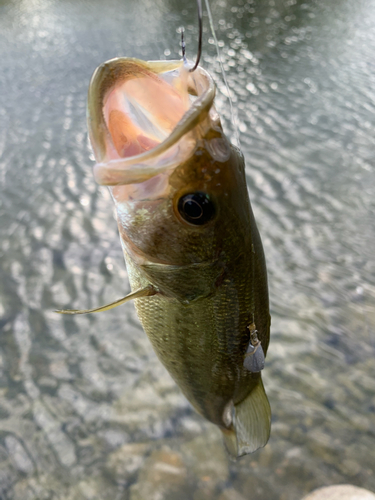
(251, 424)
(143, 292)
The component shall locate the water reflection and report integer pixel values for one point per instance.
(86, 409)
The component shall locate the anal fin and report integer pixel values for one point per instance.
(251, 424)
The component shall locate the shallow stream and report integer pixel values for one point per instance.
(86, 409)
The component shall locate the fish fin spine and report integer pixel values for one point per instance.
(148, 291)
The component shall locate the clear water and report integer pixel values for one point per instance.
(86, 409)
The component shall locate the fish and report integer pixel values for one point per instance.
(192, 249)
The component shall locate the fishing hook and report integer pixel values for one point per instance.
(183, 46)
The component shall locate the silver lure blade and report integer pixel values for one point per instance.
(254, 358)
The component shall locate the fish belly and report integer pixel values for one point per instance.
(200, 342)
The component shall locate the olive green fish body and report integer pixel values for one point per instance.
(192, 248)
(198, 322)
(202, 343)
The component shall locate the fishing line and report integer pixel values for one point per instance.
(234, 117)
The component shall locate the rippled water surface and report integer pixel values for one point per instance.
(86, 409)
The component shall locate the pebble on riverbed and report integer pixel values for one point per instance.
(340, 492)
(125, 462)
(164, 475)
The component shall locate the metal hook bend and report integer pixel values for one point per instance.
(183, 46)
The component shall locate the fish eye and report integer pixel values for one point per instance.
(196, 208)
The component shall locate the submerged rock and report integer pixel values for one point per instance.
(125, 462)
(206, 457)
(163, 477)
(340, 492)
(207, 462)
(231, 494)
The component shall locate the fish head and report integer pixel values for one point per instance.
(177, 182)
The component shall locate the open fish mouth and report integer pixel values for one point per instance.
(146, 117)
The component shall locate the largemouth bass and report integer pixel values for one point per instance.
(192, 248)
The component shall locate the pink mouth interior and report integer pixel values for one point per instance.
(141, 112)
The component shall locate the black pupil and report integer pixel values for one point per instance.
(196, 208)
